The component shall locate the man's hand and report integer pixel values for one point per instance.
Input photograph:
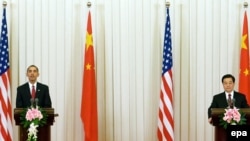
(210, 120)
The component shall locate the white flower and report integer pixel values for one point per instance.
(32, 131)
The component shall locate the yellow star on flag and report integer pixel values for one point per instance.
(88, 66)
(246, 72)
(88, 40)
(243, 44)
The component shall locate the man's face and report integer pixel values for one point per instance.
(228, 85)
(32, 74)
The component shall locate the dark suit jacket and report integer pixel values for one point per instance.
(23, 98)
(220, 101)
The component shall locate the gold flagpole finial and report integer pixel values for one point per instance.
(167, 4)
(89, 4)
(245, 4)
(4, 3)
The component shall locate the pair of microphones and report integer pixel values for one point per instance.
(34, 102)
(231, 103)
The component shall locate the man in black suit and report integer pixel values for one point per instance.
(221, 100)
(41, 96)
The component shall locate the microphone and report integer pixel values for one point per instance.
(31, 102)
(231, 103)
(36, 101)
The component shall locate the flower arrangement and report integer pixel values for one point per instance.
(232, 116)
(32, 118)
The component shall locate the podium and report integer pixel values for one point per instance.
(43, 132)
(220, 132)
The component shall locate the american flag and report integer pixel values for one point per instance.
(5, 104)
(165, 130)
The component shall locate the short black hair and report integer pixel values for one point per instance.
(34, 67)
(228, 76)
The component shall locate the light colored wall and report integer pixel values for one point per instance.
(128, 40)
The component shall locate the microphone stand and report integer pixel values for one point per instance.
(34, 102)
(231, 103)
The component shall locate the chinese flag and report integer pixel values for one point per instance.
(89, 96)
(244, 80)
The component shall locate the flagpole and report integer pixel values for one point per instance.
(4, 3)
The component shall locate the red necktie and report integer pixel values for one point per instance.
(229, 98)
(33, 92)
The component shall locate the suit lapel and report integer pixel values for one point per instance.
(235, 95)
(38, 89)
(224, 99)
(27, 89)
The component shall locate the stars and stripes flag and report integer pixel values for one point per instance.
(244, 78)
(89, 95)
(165, 131)
(5, 100)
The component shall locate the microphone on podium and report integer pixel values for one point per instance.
(36, 101)
(31, 102)
(231, 103)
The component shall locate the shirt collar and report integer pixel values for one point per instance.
(232, 94)
(30, 85)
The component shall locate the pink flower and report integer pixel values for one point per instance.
(232, 115)
(33, 113)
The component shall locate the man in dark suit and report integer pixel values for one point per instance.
(221, 100)
(41, 97)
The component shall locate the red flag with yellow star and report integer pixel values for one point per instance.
(244, 79)
(89, 95)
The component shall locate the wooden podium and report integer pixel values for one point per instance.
(220, 132)
(43, 132)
